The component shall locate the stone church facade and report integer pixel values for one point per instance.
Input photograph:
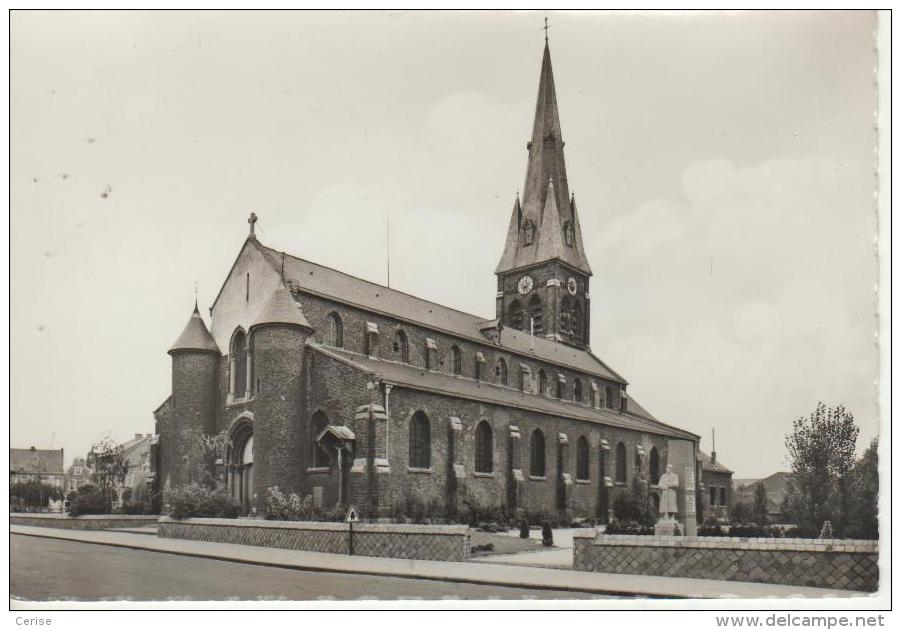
(353, 392)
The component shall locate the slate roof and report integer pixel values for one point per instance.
(547, 205)
(34, 460)
(195, 336)
(325, 282)
(707, 463)
(281, 309)
(413, 377)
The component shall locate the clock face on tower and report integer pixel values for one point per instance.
(572, 286)
(525, 285)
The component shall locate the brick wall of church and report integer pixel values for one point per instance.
(487, 491)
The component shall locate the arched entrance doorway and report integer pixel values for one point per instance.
(240, 469)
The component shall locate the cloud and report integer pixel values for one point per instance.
(746, 299)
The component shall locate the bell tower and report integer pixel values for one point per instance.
(543, 274)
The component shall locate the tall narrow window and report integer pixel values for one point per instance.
(620, 463)
(561, 387)
(568, 233)
(576, 320)
(484, 448)
(577, 390)
(582, 467)
(420, 441)
(320, 457)
(239, 364)
(536, 454)
(247, 288)
(712, 496)
(593, 395)
(536, 314)
(723, 496)
(565, 313)
(501, 371)
(542, 383)
(400, 346)
(456, 360)
(654, 466)
(334, 331)
(608, 397)
(515, 320)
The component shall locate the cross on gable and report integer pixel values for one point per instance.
(252, 221)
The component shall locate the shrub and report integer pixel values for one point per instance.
(547, 534)
(628, 528)
(281, 507)
(711, 527)
(826, 532)
(132, 507)
(89, 500)
(194, 500)
(524, 530)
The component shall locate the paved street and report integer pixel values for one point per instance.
(44, 569)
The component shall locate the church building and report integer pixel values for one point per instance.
(356, 393)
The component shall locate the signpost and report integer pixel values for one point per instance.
(351, 518)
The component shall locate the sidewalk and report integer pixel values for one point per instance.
(469, 572)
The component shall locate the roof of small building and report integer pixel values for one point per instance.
(329, 283)
(34, 460)
(414, 377)
(195, 336)
(281, 308)
(707, 463)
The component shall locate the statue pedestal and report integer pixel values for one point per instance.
(667, 526)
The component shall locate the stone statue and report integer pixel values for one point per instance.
(668, 483)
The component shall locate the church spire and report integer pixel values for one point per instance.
(545, 164)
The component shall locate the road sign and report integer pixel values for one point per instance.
(352, 516)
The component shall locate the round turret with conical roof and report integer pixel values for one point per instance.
(278, 337)
(195, 370)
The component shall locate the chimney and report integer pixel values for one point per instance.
(713, 452)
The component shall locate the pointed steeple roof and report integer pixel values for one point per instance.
(281, 309)
(545, 163)
(195, 336)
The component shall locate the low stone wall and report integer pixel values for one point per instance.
(85, 522)
(842, 564)
(417, 542)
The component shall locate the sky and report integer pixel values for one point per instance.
(723, 164)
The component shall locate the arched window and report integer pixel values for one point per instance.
(320, 458)
(620, 463)
(565, 313)
(501, 371)
(528, 233)
(654, 466)
(592, 395)
(484, 448)
(608, 398)
(536, 313)
(577, 390)
(542, 383)
(561, 387)
(420, 441)
(576, 320)
(239, 364)
(536, 454)
(637, 463)
(582, 467)
(401, 346)
(456, 360)
(515, 320)
(334, 331)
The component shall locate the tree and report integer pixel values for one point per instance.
(109, 468)
(741, 513)
(634, 504)
(32, 494)
(760, 510)
(864, 520)
(199, 453)
(821, 452)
